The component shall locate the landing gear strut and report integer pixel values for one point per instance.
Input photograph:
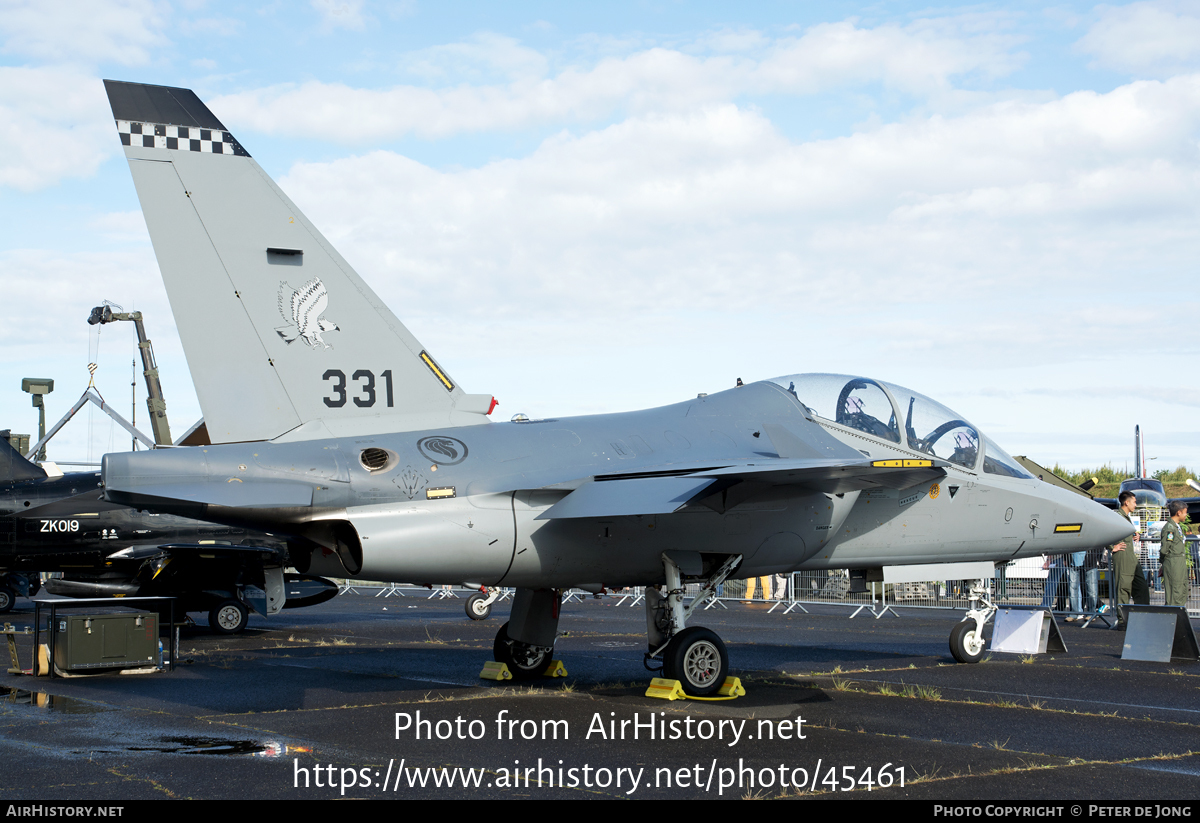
(694, 656)
(966, 639)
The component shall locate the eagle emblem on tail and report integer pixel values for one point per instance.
(304, 309)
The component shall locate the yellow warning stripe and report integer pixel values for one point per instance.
(901, 464)
(433, 367)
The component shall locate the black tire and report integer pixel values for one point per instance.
(962, 640)
(696, 657)
(228, 617)
(522, 661)
(8, 599)
(475, 610)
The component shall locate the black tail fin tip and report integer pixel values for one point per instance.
(142, 103)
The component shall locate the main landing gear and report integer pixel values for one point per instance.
(966, 639)
(228, 617)
(526, 642)
(694, 656)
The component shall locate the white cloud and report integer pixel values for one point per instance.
(83, 31)
(343, 14)
(1147, 39)
(54, 124)
(922, 58)
(219, 26)
(1003, 241)
(54, 340)
(638, 212)
(481, 56)
(79, 282)
(122, 226)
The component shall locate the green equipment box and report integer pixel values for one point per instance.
(117, 640)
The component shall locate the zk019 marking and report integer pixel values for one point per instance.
(60, 525)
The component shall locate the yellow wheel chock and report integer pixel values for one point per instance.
(500, 671)
(495, 671)
(664, 689)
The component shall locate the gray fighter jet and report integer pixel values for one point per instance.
(331, 423)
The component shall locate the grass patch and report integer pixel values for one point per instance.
(921, 692)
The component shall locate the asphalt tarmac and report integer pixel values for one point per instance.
(379, 697)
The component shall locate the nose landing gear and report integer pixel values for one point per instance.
(966, 638)
(479, 605)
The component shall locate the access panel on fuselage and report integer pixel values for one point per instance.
(449, 540)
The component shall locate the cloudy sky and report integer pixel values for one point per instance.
(615, 206)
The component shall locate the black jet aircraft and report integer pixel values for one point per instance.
(64, 524)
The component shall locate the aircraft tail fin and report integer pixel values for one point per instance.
(13, 465)
(282, 337)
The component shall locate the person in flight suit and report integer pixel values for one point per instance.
(1174, 556)
(1130, 579)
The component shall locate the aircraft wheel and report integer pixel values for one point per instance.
(228, 617)
(696, 657)
(477, 607)
(7, 599)
(524, 661)
(966, 643)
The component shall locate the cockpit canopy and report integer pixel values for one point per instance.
(1146, 492)
(898, 415)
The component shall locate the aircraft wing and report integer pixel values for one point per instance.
(217, 493)
(90, 502)
(664, 492)
(637, 495)
(207, 550)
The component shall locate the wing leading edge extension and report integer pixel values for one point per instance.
(632, 495)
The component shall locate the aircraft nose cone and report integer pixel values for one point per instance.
(1103, 526)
